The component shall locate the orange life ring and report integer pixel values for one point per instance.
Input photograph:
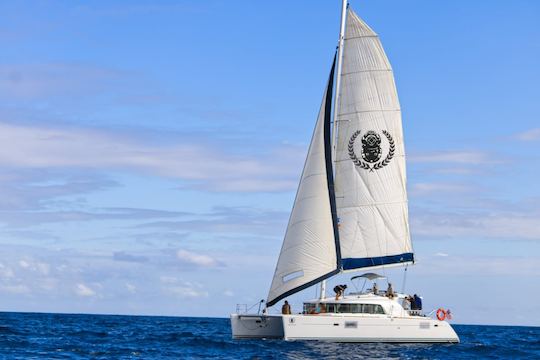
(441, 314)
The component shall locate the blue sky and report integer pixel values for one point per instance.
(150, 150)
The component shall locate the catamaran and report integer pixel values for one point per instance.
(350, 212)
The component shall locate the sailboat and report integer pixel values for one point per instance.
(350, 212)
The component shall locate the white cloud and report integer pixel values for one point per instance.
(457, 157)
(6, 272)
(168, 279)
(530, 135)
(35, 266)
(33, 189)
(221, 220)
(188, 290)
(441, 254)
(43, 268)
(196, 259)
(463, 170)
(501, 225)
(181, 288)
(482, 265)
(131, 288)
(84, 291)
(201, 165)
(228, 293)
(438, 187)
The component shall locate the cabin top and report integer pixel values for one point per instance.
(365, 303)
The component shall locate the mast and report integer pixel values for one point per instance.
(341, 40)
(344, 6)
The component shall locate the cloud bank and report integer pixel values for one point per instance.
(200, 165)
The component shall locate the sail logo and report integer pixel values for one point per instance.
(371, 150)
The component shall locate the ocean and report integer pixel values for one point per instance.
(61, 336)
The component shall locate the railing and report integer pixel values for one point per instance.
(241, 308)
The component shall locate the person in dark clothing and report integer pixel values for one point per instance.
(286, 308)
(413, 303)
(339, 290)
(417, 302)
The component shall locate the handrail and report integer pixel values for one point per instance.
(240, 307)
(243, 308)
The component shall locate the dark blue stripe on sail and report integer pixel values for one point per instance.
(356, 263)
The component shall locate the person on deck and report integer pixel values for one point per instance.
(375, 289)
(418, 302)
(390, 292)
(413, 303)
(339, 290)
(407, 303)
(286, 308)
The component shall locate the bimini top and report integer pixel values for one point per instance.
(369, 276)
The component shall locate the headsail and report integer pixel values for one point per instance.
(310, 250)
(371, 193)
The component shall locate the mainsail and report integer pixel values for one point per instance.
(310, 252)
(364, 224)
(371, 193)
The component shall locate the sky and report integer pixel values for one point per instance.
(150, 150)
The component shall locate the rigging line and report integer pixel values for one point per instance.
(404, 279)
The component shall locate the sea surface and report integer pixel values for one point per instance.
(60, 336)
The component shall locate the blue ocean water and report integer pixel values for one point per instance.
(60, 336)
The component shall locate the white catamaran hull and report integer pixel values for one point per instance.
(353, 328)
(257, 326)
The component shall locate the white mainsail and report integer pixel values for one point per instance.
(309, 252)
(371, 193)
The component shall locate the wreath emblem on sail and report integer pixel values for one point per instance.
(371, 150)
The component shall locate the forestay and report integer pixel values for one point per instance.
(309, 252)
(371, 194)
